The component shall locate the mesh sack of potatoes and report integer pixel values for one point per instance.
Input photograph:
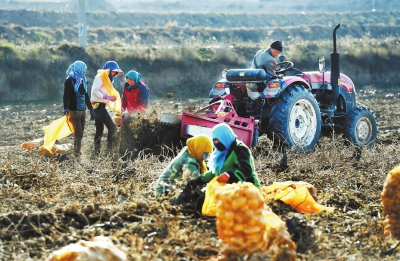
(100, 249)
(390, 197)
(280, 243)
(245, 226)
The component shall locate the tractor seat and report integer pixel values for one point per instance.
(244, 75)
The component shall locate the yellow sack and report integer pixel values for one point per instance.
(210, 201)
(114, 106)
(299, 195)
(57, 130)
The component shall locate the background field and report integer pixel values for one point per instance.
(225, 6)
(184, 51)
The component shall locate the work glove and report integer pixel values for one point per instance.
(108, 97)
(66, 111)
(194, 183)
(223, 178)
(188, 190)
(182, 198)
(92, 115)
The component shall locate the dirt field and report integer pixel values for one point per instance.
(48, 203)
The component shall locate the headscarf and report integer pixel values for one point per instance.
(113, 67)
(77, 71)
(135, 76)
(198, 145)
(226, 136)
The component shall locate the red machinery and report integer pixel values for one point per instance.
(203, 120)
(294, 109)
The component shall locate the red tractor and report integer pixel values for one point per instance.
(295, 109)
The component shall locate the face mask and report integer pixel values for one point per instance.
(205, 156)
(219, 146)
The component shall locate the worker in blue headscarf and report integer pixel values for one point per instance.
(231, 161)
(75, 100)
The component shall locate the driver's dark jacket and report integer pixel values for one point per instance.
(264, 60)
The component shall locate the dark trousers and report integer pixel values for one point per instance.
(103, 118)
(78, 121)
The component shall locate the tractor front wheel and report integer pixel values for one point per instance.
(360, 126)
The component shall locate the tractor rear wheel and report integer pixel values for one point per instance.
(360, 126)
(295, 119)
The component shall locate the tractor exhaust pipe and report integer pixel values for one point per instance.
(335, 70)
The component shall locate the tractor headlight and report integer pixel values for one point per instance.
(223, 73)
(227, 89)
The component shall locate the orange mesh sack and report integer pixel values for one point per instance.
(56, 149)
(247, 227)
(240, 221)
(390, 197)
(100, 249)
(30, 145)
(280, 242)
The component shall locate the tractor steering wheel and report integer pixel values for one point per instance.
(282, 67)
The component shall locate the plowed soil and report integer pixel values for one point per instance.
(48, 203)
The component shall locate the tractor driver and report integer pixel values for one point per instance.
(265, 59)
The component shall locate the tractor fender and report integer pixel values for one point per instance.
(275, 87)
(349, 100)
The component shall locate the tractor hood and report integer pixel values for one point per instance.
(315, 79)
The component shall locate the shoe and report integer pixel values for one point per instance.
(97, 148)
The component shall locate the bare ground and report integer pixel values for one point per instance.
(48, 203)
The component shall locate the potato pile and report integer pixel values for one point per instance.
(100, 249)
(244, 226)
(390, 197)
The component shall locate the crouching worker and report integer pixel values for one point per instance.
(231, 162)
(187, 165)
